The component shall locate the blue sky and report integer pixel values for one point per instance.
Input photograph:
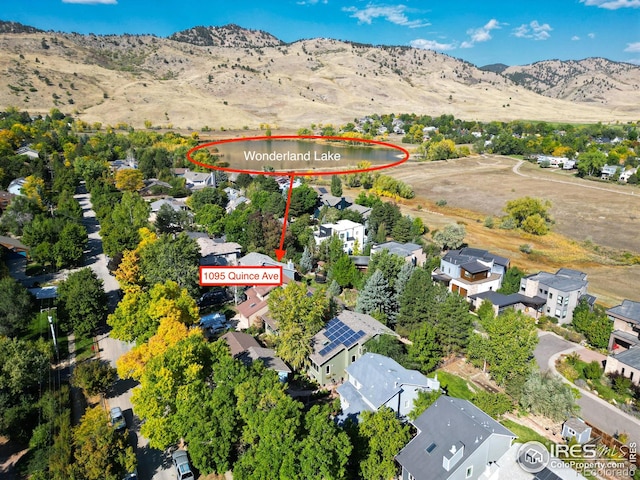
(480, 31)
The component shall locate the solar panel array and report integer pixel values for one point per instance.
(339, 334)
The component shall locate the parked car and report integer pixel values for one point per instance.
(212, 297)
(131, 476)
(181, 462)
(117, 419)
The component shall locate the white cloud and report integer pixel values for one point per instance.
(391, 13)
(612, 4)
(635, 61)
(312, 2)
(481, 34)
(591, 35)
(633, 47)
(575, 38)
(533, 30)
(92, 2)
(431, 45)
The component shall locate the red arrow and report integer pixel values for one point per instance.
(281, 251)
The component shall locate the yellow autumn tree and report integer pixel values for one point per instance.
(34, 189)
(128, 272)
(130, 180)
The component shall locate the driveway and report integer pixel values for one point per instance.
(153, 464)
(594, 410)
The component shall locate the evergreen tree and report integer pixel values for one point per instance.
(401, 281)
(306, 262)
(336, 186)
(376, 298)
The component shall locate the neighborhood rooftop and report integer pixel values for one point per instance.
(467, 255)
(628, 309)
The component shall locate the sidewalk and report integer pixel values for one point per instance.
(597, 411)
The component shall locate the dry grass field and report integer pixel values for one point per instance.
(595, 223)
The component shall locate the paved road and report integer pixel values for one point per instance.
(592, 409)
(152, 463)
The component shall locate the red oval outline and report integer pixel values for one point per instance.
(293, 172)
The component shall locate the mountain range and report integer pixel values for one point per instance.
(232, 78)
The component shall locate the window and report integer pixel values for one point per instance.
(551, 295)
(431, 448)
(328, 369)
(566, 300)
(560, 299)
(558, 313)
(353, 358)
(411, 477)
(469, 472)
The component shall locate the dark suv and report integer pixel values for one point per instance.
(212, 298)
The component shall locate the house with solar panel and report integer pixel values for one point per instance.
(340, 343)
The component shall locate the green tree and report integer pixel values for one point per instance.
(306, 261)
(171, 258)
(120, 230)
(15, 307)
(403, 230)
(523, 208)
(389, 265)
(93, 376)
(424, 349)
(300, 317)
(207, 196)
(82, 302)
(511, 281)
(303, 200)
(422, 402)
(384, 437)
(494, 404)
(69, 248)
(100, 452)
(345, 272)
(591, 162)
(450, 237)
(547, 395)
(506, 346)
(169, 220)
(376, 298)
(387, 345)
(336, 186)
(593, 323)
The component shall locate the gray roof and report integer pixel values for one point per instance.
(627, 310)
(630, 357)
(449, 421)
(356, 402)
(255, 259)
(361, 209)
(560, 281)
(382, 377)
(396, 248)
(356, 322)
(465, 255)
(577, 425)
(268, 357)
(172, 202)
(475, 267)
(501, 300)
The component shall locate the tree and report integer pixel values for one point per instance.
(15, 307)
(384, 437)
(325, 449)
(506, 346)
(450, 237)
(93, 376)
(547, 395)
(403, 230)
(299, 318)
(389, 265)
(424, 349)
(401, 281)
(82, 302)
(169, 220)
(530, 214)
(336, 186)
(591, 162)
(345, 272)
(211, 218)
(207, 196)
(387, 345)
(422, 402)
(593, 323)
(129, 180)
(171, 258)
(306, 261)
(494, 404)
(121, 229)
(100, 452)
(303, 200)
(376, 298)
(511, 281)
(69, 248)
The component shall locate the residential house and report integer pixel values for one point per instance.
(217, 251)
(129, 163)
(625, 175)
(174, 204)
(455, 440)
(348, 231)
(251, 310)
(325, 199)
(609, 171)
(199, 180)
(376, 381)
(14, 245)
(247, 349)
(531, 306)
(411, 252)
(28, 151)
(15, 187)
(552, 161)
(361, 209)
(254, 259)
(5, 200)
(470, 271)
(235, 199)
(152, 186)
(576, 428)
(624, 342)
(562, 290)
(340, 343)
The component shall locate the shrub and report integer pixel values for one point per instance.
(592, 371)
(508, 223)
(489, 222)
(619, 383)
(441, 203)
(526, 248)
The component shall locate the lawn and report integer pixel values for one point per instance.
(454, 385)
